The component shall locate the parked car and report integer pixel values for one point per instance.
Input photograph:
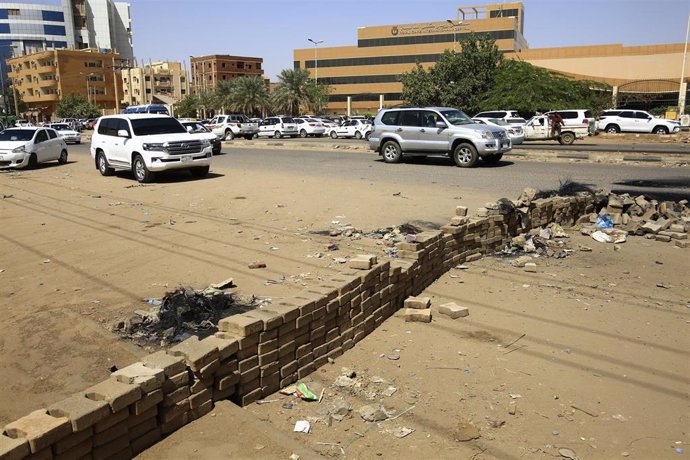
(27, 147)
(516, 121)
(202, 132)
(539, 128)
(357, 128)
(278, 127)
(228, 127)
(309, 127)
(515, 133)
(66, 132)
(576, 117)
(436, 131)
(497, 114)
(146, 144)
(635, 121)
(328, 124)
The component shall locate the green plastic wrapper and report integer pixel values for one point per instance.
(305, 393)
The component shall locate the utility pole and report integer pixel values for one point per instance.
(682, 89)
(316, 59)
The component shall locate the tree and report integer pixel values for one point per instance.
(222, 94)
(317, 96)
(291, 92)
(187, 107)
(249, 96)
(526, 88)
(76, 106)
(205, 101)
(457, 79)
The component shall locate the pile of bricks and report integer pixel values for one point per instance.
(254, 354)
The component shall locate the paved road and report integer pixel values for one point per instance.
(585, 145)
(508, 178)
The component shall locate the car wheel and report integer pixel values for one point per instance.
(277, 135)
(63, 157)
(391, 152)
(566, 138)
(660, 130)
(33, 161)
(613, 129)
(102, 165)
(141, 172)
(229, 135)
(492, 159)
(303, 133)
(334, 135)
(199, 172)
(367, 135)
(249, 137)
(358, 135)
(78, 142)
(465, 155)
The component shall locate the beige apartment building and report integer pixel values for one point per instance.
(156, 83)
(43, 78)
(208, 71)
(365, 77)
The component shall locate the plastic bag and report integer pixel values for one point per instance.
(604, 221)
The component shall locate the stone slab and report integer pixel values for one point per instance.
(453, 310)
(80, 410)
(40, 429)
(149, 379)
(118, 395)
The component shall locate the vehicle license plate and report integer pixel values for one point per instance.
(185, 158)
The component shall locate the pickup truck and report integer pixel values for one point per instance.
(228, 127)
(539, 129)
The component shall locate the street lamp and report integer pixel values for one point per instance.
(316, 59)
(456, 25)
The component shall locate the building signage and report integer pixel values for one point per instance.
(422, 29)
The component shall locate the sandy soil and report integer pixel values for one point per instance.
(81, 251)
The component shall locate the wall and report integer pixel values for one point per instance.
(257, 353)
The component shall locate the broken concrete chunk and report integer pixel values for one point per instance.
(372, 413)
(531, 267)
(149, 379)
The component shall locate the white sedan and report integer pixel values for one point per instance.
(309, 127)
(352, 128)
(66, 132)
(27, 147)
(515, 133)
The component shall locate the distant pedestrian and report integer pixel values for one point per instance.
(556, 121)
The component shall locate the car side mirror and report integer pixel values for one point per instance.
(441, 125)
(122, 133)
(649, 118)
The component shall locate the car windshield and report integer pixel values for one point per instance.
(498, 121)
(517, 120)
(149, 126)
(457, 117)
(288, 120)
(61, 127)
(197, 127)
(17, 135)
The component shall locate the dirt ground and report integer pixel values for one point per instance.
(602, 368)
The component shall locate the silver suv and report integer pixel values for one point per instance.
(441, 131)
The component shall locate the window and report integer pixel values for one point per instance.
(222, 64)
(41, 136)
(108, 126)
(93, 64)
(435, 38)
(52, 134)
(240, 65)
(570, 114)
(54, 30)
(151, 126)
(4, 28)
(629, 114)
(121, 124)
(390, 118)
(410, 118)
(641, 115)
(430, 118)
(57, 16)
(13, 12)
(147, 78)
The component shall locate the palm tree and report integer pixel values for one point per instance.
(291, 92)
(205, 101)
(222, 94)
(249, 96)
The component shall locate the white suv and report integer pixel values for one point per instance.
(635, 121)
(497, 114)
(146, 144)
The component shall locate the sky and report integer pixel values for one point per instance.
(272, 29)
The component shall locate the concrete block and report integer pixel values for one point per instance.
(147, 402)
(112, 420)
(142, 428)
(531, 267)
(171, 365)
(145, 441)
(202, 410)
(196, 400)
(453, 310)
(176, 381)
(226, 347)
(362, 262)
(39, 429)
(118, 395)
(250, 397)
(208, 370)
(682, 243)
(176, 396)
(415, 315)
(270, 319)
(418, 302)
(175, 424)
(45, 454)
(134, 420)
(149, 379)
(201, 385)
(197, 354)
(241, 325)
(13, 448)
(460, 210)
(79, 451)
(663, 238)
(110, 434)
(81, 411)
(230, 381)
(168, 414)
(112, 448)
(71, 441)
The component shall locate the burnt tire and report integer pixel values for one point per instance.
(465, 155)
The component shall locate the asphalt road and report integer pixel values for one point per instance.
(508, 178)
(591, 144)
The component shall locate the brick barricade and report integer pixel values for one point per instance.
(256, 353)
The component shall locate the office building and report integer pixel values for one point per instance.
(44, 77)
(365, 77)
(156, 83)
(208, 71)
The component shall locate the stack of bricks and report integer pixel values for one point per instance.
(256, 353)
